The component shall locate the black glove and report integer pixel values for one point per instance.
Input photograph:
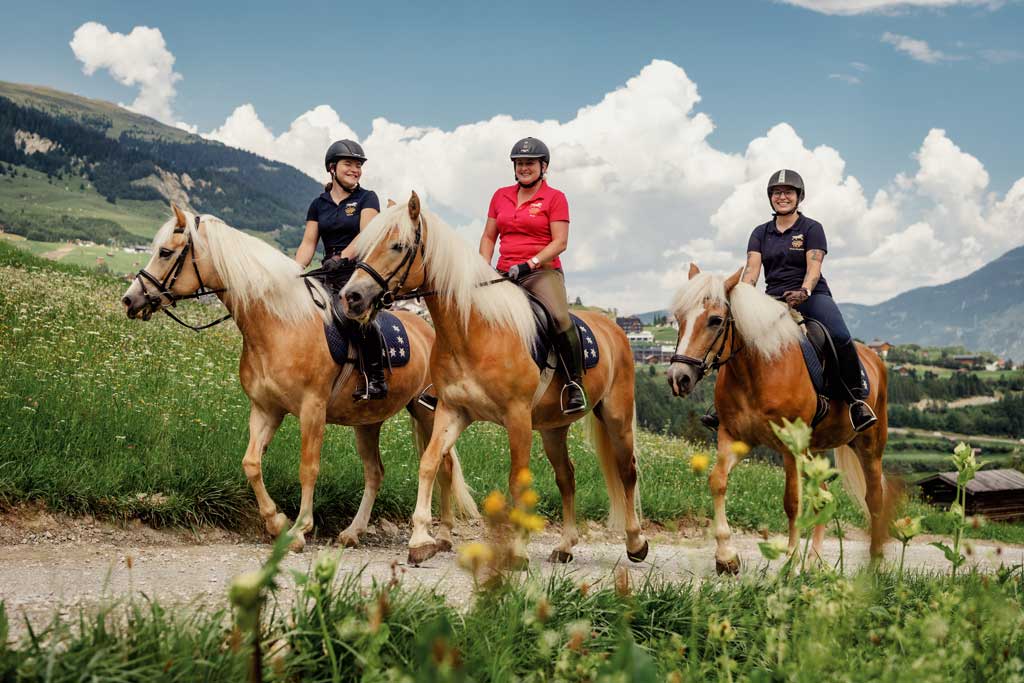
(520, 270)
(336, 263)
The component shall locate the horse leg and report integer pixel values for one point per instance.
(423, 426)
(874, 496)
(312, 420)
(368, 446)
(519, 425)
(448, 424)
(262, 426)
(557, 450)
(791, 498)
(613, 437)
(726, 558)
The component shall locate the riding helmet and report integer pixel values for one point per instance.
(530, 148)
(787, 178)
(343, 149)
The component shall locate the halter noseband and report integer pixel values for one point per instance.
(388, 295)
(155, 300)
(727, 333)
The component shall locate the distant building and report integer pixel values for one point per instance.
(880, 347)
(630, 324)
(641, 337)
(996, 494)
(969, 360)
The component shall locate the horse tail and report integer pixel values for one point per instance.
(600, 441)
(465, 505)
(848, 464)
(460, 490)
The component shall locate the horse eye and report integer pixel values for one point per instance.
(165, 252)
(396, 247)
(714, 320)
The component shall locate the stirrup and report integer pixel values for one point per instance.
(426, 400)
(870, 422)
(561, 398)
(363, 393)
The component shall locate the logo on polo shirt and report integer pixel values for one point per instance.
(797, 243)
(350, 208)
(535, 207)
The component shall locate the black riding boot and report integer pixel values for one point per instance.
(371, 363)
(570, 351)
(710, 420)
(861, 414)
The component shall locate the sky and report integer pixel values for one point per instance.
(665, 119)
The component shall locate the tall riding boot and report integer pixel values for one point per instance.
(570, 352)
(371, 362)
(861, 414)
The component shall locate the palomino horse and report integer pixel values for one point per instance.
(762, 378)
(286, 366)
(482, 367)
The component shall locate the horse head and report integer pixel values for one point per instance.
(174, 271)
(701, 307)
(391, 252)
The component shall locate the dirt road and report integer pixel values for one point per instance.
(50, 563)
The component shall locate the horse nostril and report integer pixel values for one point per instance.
(353, 297)
(126, 300)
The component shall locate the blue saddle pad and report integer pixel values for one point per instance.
(396, 341)
(591, 351)
(825, 383)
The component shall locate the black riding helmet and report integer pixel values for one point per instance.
(786, 178)
(530, 148)
(343, 149)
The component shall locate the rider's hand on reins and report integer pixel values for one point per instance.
(795, 297)
(520, 270)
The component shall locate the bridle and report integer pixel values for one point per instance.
(155, 300)
(727, 333)
(388, 294)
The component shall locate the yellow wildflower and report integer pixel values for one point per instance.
(524, 478)
(739, 448)
(494, 504)
(527, 521)
(529, 498)
(699, 462)
(472, 555)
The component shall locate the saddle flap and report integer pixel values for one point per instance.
(396, 342)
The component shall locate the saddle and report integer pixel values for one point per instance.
(395, 344)
(544, 346)
(822, 363)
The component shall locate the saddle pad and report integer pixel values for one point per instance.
(591, 351)
(814, 368)
(396, 342)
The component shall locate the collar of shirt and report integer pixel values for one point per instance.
(353, 196)
(512, 193)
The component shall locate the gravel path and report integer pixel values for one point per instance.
(50, 564)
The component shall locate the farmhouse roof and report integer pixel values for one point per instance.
(985, 481)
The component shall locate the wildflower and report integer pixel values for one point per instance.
(529, 498)
(699, 463)
(817, 469)
(622, 582)
(494, 504)
(578, 631)
(473, 555)
(774, 549)
(527, 521)
(739, 448)
(524, 478)
(906, 528)
(721, 630)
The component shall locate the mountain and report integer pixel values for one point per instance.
(128, 157)
(983, 311)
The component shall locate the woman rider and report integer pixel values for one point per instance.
(336, 217)
(532, 220)
(792, 248)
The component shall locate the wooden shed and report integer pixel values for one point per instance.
(996, 494)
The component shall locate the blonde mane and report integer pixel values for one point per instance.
(455, 270)
(250, 269)
(762, 322)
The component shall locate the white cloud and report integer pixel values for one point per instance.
(845, 78)
(140, 59)
(1001, 56)
(852, 7)
(918, 50)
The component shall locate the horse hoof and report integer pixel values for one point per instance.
(421, 554)
(298, 545)
(348, 540)
(560, 557)
(444, 545)
(278, 523)
(639, 555)
(731, 567)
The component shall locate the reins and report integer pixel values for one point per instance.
(727, 333)
(155, 300)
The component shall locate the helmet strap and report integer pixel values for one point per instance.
(527, 186)
(334, 176)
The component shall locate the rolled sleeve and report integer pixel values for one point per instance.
(754, 243)
(816, 238)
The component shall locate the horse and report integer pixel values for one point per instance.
(482, 368)
(286, 366)
(755, 344)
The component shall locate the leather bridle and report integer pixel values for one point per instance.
(156, 300)
(388, 294)
(727, 334)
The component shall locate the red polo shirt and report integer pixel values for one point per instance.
(525, 230)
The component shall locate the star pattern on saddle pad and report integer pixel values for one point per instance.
(591, 353)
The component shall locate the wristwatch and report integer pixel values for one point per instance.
(534, 261)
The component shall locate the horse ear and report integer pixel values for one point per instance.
(179, 216)
(694, 270)
(732, 280)
(414, 206)
(391, 202)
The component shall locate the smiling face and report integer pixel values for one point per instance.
(784, 198)
(528, 170)
(347, 172)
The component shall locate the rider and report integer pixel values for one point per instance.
(336, 217)
(792, 247)
(532, 220)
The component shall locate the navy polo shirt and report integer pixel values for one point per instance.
(339, 223)
(784, 254)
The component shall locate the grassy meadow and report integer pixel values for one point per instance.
(124, 419)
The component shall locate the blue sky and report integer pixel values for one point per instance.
(755, 64)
